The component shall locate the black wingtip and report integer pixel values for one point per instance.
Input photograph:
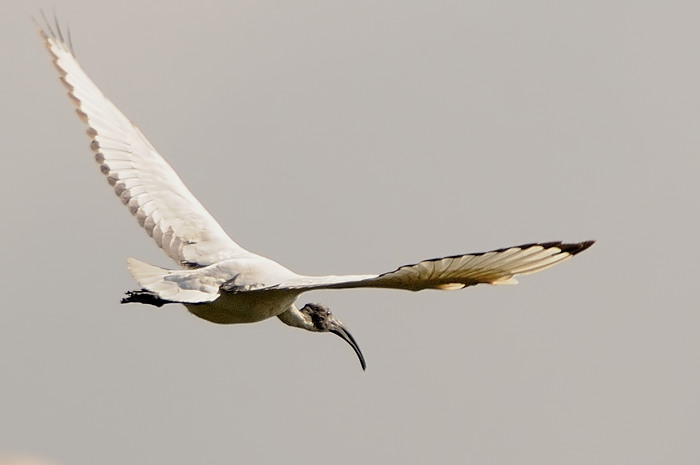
(52, 29)
(573, 249)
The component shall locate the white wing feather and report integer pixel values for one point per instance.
(454, 272)
(142, 179)
(184, 229)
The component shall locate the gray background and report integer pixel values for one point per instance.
(351, 137)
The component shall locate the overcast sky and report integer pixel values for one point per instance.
(352, 137)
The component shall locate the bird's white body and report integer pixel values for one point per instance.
(245, 307)
(240, 275)
(236, 290)
(220, 281)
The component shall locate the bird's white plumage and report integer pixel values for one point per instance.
(449, 273)
(142, 179)
(191, 286)
(222, 282)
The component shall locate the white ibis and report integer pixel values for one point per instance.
(220, 281)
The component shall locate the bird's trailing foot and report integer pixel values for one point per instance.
(143, 296)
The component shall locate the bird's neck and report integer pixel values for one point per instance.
(293, 317)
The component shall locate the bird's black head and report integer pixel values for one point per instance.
(323, 321)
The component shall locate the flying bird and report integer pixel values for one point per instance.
(220, 281)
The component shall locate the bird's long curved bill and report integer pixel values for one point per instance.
(347, 337)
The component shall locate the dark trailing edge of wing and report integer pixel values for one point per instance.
(571, 248)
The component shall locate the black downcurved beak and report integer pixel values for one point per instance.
(347, 337)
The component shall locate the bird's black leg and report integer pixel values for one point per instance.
(144, 297)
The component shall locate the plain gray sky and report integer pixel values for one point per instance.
(352, 137)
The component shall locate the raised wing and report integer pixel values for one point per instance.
(454, 272)
(141, 177)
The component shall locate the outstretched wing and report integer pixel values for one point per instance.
(454, 272)
(141, 177)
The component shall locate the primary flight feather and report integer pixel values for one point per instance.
(219, 280)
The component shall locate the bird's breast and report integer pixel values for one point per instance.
(244, 307)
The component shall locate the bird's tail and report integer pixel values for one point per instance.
(144, 273)
(184, 286)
